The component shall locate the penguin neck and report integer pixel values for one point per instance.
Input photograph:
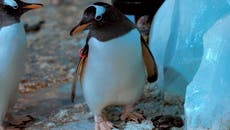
(6, 19)
(111, 30)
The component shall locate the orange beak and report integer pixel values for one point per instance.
(79, 28)
(32, 6)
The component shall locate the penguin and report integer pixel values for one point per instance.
(115, 63)
(12, 50)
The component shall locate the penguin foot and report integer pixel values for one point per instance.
(20, 121)
(129, 115)
(1, 127)
(105, 125)
(102, 124)
(12, 128)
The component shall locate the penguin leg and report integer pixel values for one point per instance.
(102, 124)
(129, 115)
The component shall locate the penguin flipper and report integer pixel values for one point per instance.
(77, 75)
(73, 88)
(149, 61)
(79, 71)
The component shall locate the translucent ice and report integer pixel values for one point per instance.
(207, 98)
(187, 41)
(176, 39)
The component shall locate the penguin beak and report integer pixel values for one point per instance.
(32, 6)
(79, 28)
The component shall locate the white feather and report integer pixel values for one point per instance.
(12, 59)
(100, 10)
(115, 72)
(11, 3)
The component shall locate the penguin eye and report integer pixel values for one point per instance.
(99, 18)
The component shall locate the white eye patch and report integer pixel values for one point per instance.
(11, 3)
(99, 10)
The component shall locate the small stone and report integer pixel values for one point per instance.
(44, 65)
(61, 114)
(50, 124)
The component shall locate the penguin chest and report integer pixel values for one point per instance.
(12, 49)
(12, 57)
(114, 71)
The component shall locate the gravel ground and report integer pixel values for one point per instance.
(52, 52)
(52, 56)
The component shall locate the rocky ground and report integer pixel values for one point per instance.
(52, 56)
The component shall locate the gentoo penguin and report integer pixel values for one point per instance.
(115, 63)
(12, 49)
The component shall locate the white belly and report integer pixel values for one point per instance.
(12, 58)
(114, 73)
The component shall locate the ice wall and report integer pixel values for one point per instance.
(192, 50)
(176, 39)
(208, 95)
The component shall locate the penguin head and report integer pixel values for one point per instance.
(16, 8)
(96, 16)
